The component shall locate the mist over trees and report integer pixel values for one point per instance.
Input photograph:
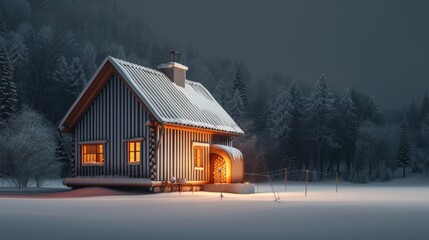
(50, 49)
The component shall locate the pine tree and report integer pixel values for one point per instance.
(347, 128)
(404, 151)
(280, 116)
(358, 174)
(71, 75)
(62, 157)
(241, 86)
(18, 52)
(222, 93)
(77, 79)
(89, 54)
(278, 125)
(320, 115)
(370, 111)
(8, 95)
(2, 25)
(61, 74)
(236, 107)
(294, 148)
(425, 129)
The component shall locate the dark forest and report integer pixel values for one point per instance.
(50, 49)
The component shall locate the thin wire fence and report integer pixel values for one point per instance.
(285, 172)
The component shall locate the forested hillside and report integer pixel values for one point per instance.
(49, 50)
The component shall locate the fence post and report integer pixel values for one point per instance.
(221, 181)
(306, 181)
(285, 179)
(337, 179)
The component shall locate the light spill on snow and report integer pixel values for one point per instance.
(374, 211)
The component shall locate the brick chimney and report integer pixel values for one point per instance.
(175, 71)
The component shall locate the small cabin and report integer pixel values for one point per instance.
(140, 127)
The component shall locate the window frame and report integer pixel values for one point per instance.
(127, 149)
(202, 146)
(97, 153)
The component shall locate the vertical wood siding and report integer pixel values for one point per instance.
(114, 116)
(175, 154)
(222, 140)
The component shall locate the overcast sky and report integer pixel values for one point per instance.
(379, 47)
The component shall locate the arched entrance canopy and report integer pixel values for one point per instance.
(234, 162)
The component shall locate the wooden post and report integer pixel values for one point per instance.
(73, 157)
(306, 181)
(221, 181)
(285, 179)
(337, 179)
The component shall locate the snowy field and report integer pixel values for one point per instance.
(392, 210)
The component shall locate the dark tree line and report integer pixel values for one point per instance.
(54, 47)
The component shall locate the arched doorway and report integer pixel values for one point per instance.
(219, 169)
(229, 161)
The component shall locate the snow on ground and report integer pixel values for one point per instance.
(392, 210)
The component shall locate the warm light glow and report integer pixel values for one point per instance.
(198, 157)
(92, 154)
(134, 151)
(219, 170)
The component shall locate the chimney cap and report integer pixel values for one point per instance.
(172, 65)
(175, 56)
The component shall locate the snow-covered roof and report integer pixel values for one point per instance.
(192, 105)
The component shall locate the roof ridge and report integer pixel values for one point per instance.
(148, 69)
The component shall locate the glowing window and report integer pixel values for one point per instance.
(92, 154)
(198, 157)
(134, 151)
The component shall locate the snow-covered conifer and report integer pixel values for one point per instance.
(294, 148)
(61, 73)
(241, 85)
(347, 128)
(425, 128)
(370, 110)
(404, 151)
(358, 174)
(2, 25)
(18, 51)
(280, 115)
(8, 94)
(89, 55)
(62, 157)
(77, 76)
(236, 107)
(71, 75)
(320, 115)
(223, 93)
